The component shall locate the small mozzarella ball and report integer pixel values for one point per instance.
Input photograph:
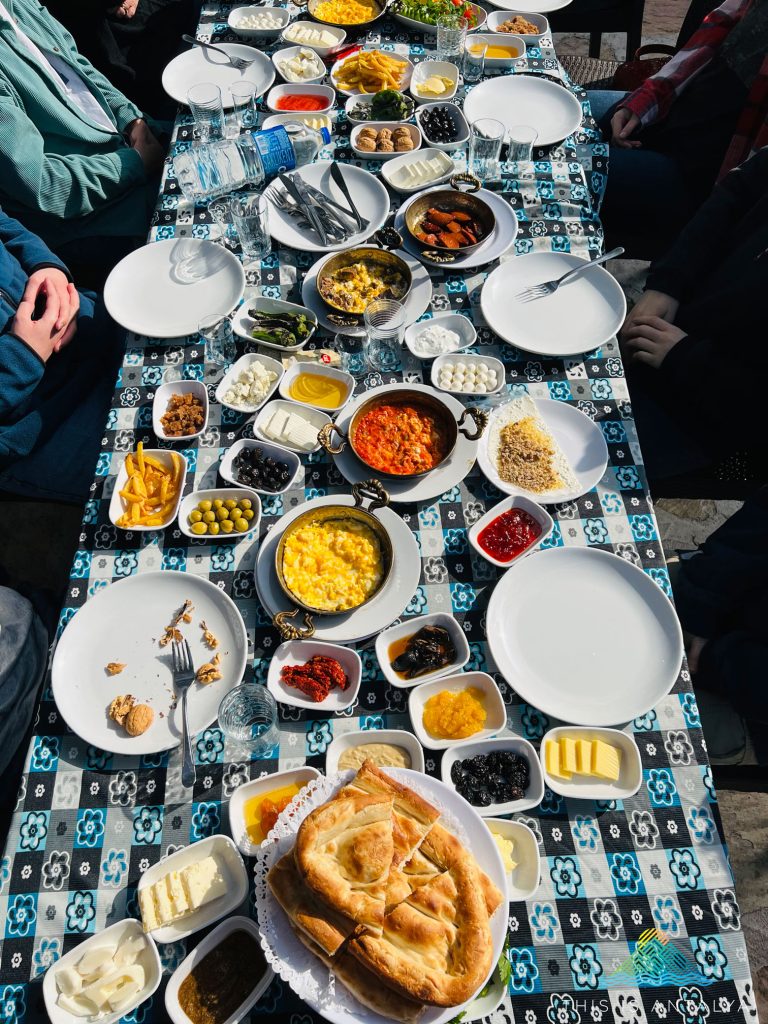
(482, 366)
(447, 368)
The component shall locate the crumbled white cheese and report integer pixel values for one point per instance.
(251, 386)
(306, 64)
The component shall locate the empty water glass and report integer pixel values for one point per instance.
(451, 37)
(222, 214)
(248, 719)
(473, 66)
(205, 103)
(216, 332)
(250, 214)
(385, 325)
(352, 348)
(243, 104)
(521, 141)
(486, 139)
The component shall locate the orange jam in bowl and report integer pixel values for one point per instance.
(454, 716)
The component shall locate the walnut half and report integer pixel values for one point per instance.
(209, 672)
(120, 707)
(114, 668)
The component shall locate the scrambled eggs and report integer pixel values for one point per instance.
(352, 288)
(334, 565)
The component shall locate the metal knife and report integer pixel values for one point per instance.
(304, 203)
(338, 177)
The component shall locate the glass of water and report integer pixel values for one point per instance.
(486, 140)
(216, 332)
(352, 347)
(451, 37)
(521, 142)
(205, 103)
(250, 214)
(473, 66)
(244, 109)
(248, 719)
(385, 326)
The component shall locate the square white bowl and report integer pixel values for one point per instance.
(588, 787)
(407, 628)
(241, 320)
(322, 371)
(163, 397)
(233, 924)
(360, 737)
(427, 69)
(540, 514)
(389, 170)
(149, 959)
(462, 127)
(232, 867)
(534, 793)
(298, 652)
(313, 416)
(322, 51)
(496, 18)
(497, 39)
(116, 508)
(258, 787)
(471, 360)
(363, 154)
(366, 99)
(275, 451)
(189, 502)
(242, 364)
(462, 326)
(523, 882)
(316, 122)
(289, 53)
(277, 92)
(239, 13)
(405, 81)
(496, 712)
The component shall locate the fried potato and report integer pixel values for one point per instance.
(152, 489)
(370, 71)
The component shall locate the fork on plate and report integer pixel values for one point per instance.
(238, 63)
(540, 291)
(183, 677)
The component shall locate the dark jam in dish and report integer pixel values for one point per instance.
(509, 534)
(223, 979)
(426, 651)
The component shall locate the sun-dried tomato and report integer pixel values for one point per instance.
(316, 678)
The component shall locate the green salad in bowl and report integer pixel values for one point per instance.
(430, 11)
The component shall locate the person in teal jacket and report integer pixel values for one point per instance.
(59, 357)
(78, 162)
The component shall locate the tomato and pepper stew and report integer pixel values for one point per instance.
(401, 439)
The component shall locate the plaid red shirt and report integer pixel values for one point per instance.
(652, 100)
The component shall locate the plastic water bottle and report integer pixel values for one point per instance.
(215, 168)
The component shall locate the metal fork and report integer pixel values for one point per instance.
(238, 63)
(333, 229)
(183, 677)
(539, 291)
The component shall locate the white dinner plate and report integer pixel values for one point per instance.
(584, 635)
(530, 6)
(368, 194)
(526, 99)
(578, 317)
(421, 488)
(164, 289)
(200, 65)
(123, 623)
(502, 238)
(361, 622)
(417, 302)
(580, 438)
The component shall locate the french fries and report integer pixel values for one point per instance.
(151, 491)
(370, 71)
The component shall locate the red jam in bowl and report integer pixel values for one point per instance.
(509, 534)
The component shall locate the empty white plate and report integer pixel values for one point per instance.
(530, 6)
(526, 99)
(578, 317)
(165, 289)
(584, 635)
(201, 65)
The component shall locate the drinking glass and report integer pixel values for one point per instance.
(248, 718)
(521, 141)
(384, 321)
(222, 214)
(352, 347)
(216, 332)
(244, 109)
(250, 214)
(451, 37)
(473, 66)
(486, 139)
(205, 103)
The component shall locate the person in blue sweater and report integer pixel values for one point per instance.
(59, 356)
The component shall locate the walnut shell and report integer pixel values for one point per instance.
(404, 144)
(366, 145)
(120, 708)
(139, 719)
(385, 146)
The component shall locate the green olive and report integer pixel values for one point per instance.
(213, 528)
(230, 504)
(248, 514)
(199, 528)
(205, 506)
(227, 526)
(241, 525)
(245, 503)
(222, 513)
(195, 515)
(209, 517)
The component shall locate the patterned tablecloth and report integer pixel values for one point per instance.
(88, 823)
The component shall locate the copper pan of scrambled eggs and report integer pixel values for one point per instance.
(343, 13)
(347, 281)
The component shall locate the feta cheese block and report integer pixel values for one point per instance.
(290, 428)
(309, 35)
(421, 172)
(203, 882)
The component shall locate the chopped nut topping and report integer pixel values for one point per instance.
(209, 672)
(114, 668)
(209, 639)
(171, 633)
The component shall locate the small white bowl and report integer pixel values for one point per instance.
(427, 69)
(461, 325)
(232, 867)
(243, 363)
(298, 652)
(288, 53)
(339, 35)
(405, 81)
(322, 371)
(361, 737)
(278, 92)
(496, 712)
(462, 128)
(588, 787)
(116, 507)
(242, 322)
(163, 397)
(149, 959)
(523, 882)
(363, 154)
(389, 170)
(407, 628)
(258, 787)
(233, 924)
(497, 18)
(540, 514)
(312, 120)
(471, 360)
(275, 451)
(190, 501)
(313, 416)
(238, 14)
(534, 794)
(366, 99)
(497, 39)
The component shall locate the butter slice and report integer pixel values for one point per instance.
(203, 882)
(584, 757)
(606, 761)
(163, 906)
(506, 848)
(553, 760)
(147, 908)
(568, 754)
(176, 894)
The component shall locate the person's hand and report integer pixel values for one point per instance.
(651, 339)
(126, 9)
(146, 145)
(623, 124)
(696, 645)
(49, 284)
(42, 335)
(651, 303)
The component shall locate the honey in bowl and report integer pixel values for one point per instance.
(317, 389)
(261, 812)
(495, 52)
